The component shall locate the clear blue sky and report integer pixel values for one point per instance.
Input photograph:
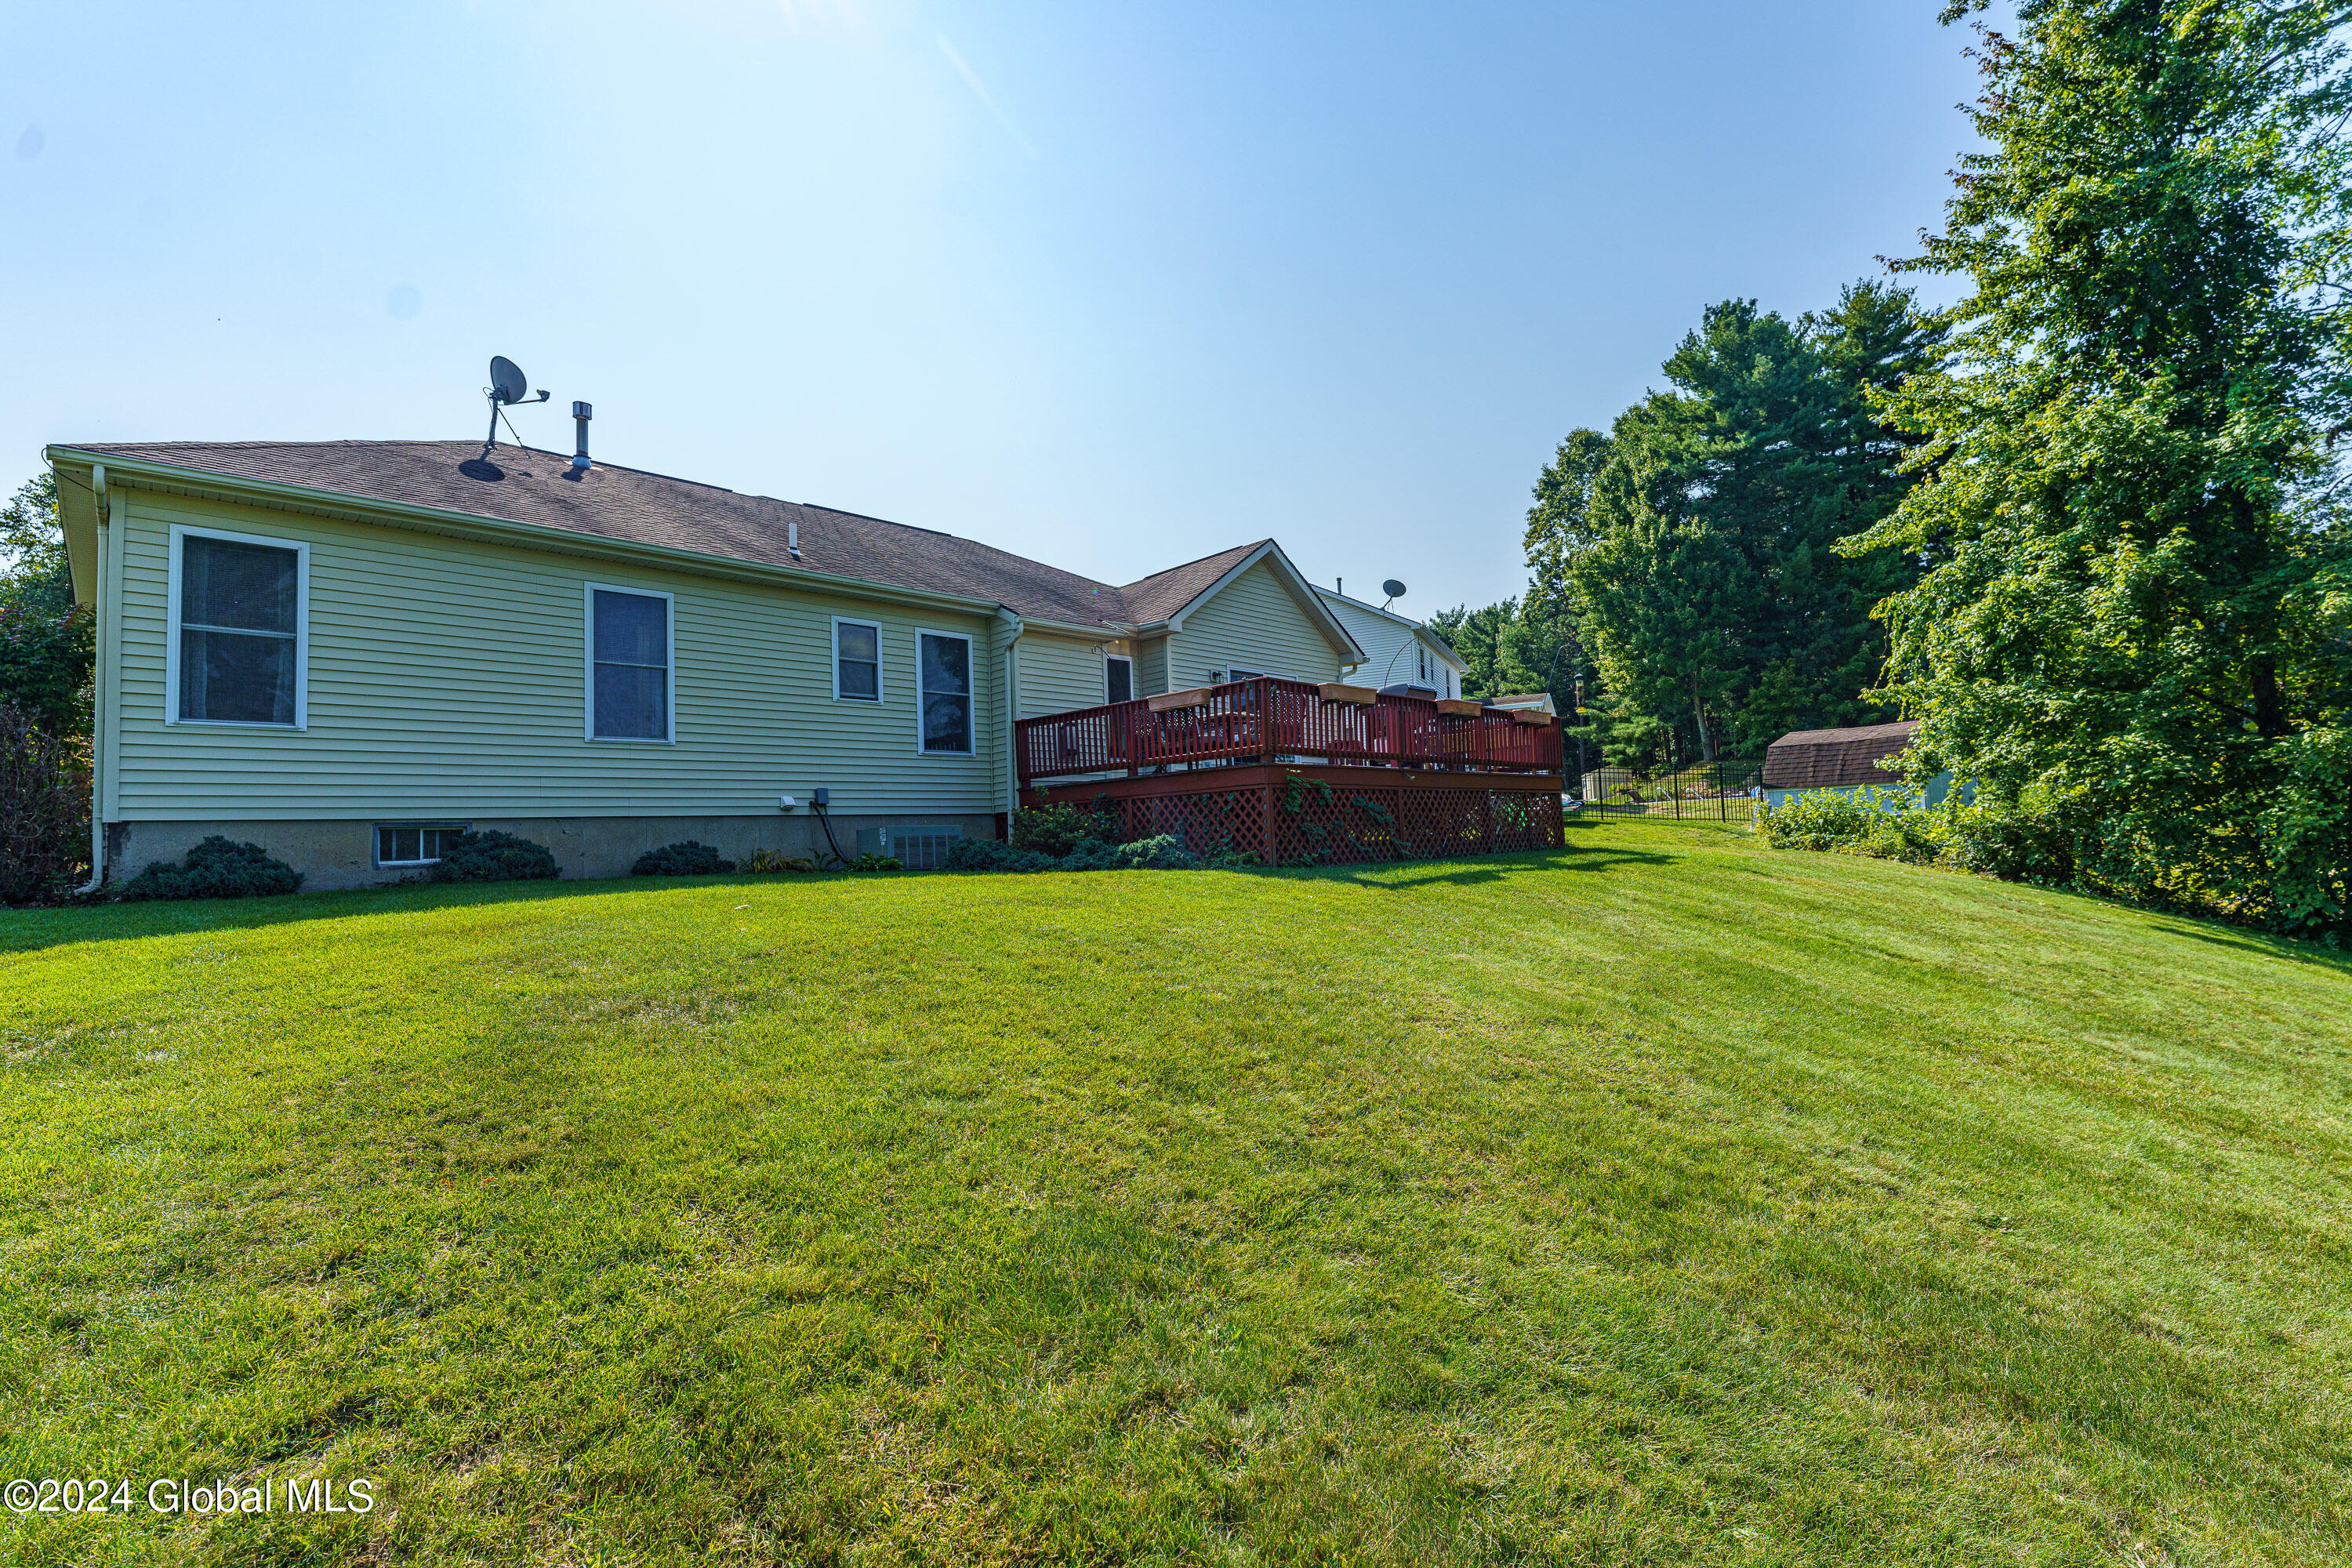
(1112, 286)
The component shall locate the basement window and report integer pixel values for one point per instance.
(412, 844)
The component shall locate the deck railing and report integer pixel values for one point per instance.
(1264, 720)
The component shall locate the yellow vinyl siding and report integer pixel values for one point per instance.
(1058, 673)
(1253, 622)
(1151, 666)
(448, 677)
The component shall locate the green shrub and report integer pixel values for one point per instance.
(686, 860)
(1093, 855)
(2018, 842)
(773, 860)
(1164, 853)
(1914, 834)
(2287, 868)
(874, 863)
(44, 808)
(995, 855)
(1832, 819)
(2307, 835)
(1887, 822)
(217, 868)
(493, 857)
(1056, 830)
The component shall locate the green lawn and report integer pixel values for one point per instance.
(1667, 1200)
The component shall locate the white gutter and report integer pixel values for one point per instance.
(104, 671)
(1008, 634)
(1097, 631)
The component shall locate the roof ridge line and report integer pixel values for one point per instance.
(1212, 555)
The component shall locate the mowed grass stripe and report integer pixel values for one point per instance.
(1666, 1200)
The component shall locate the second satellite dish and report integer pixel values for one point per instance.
(1393, 588)
(507, 382)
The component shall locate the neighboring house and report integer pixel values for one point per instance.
(1398, 650)
(343, 651)
(1842, 761)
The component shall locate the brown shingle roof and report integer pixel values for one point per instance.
(1161, 594)
(522, 484)
(1835, 758)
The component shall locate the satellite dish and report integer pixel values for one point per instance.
(507, 382)
(507, 386)
(1393, 588)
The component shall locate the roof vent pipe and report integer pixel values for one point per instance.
(793, 538)
(580, 414)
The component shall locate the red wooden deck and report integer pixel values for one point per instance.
(1268, 720)
(1295, 774)
(1322, 815)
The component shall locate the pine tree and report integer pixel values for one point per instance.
(1703, 564)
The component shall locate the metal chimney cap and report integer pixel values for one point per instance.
(583, 411)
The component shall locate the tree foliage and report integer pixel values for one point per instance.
(2135, 625)
(47, 643)
(44, 808)
(1531, 642)
(1696, 545)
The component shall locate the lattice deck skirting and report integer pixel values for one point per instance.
(1327, 816)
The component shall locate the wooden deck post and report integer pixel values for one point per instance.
(1266, 823)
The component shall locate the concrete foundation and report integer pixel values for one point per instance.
(342, 853)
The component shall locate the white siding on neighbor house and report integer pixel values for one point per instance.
(1056, 673)
(1253, 623)
(448, 677)
(1390, 648)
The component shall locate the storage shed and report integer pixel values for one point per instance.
(1806, 761)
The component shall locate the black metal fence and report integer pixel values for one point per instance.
(1705, 792)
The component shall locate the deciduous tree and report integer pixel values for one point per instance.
(46, 642)
(2138, 618)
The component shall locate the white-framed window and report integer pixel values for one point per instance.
(629, 664)
(1237, 673)
(857, 661)
(1423, 649)
(1119, 677)
(238, 651)
(413, 843)
(943, 715)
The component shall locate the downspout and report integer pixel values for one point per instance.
(1009, 627)
(104, 669)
